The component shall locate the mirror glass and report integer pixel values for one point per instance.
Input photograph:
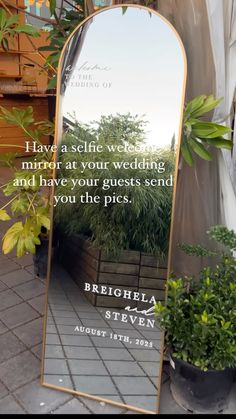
(120, 96)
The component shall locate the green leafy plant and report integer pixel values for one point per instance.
(199, 318)
(198, 135)
(27, 208)
(10, 27)
(142, 225)
(66, 20)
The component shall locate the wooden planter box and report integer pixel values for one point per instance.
(133, 270)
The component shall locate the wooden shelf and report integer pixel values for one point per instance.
(17, 52)
(27, 93)
(10, 76)
(11, 5)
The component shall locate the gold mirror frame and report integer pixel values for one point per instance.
(56, 137)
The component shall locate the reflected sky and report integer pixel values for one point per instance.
(126, 65)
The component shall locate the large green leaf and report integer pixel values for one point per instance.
(17, 116)
(20, 247)
(12, 20)
(193, 105)
(52, 83)
(220, 143)
(20, 205)
(3, 18)
(28, 30)
(209, 103)
(209, 130)
(5, 44)
(11, 237)
(186, 153)
(29, 244)
(4, 215)
(52, 6)
(200, 150)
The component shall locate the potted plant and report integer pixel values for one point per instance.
(27, 206)
(199, 320)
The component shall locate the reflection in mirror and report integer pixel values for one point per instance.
(121, 86)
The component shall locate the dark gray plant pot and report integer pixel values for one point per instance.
(200, 391)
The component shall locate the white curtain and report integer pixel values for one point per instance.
(205, 194)
(222, 24)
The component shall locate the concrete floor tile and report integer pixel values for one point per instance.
(8, 298)
(52, 339)
(30, 269)
(3, 286)
(25, 260)
(3, 328)
(76, 340)
(10, 346)
(94, 385)
(102, 408)
(153, 335)
(3, 391)
(142, 402)
(51, 328)
(18, 315)
(16, 277)
(31, 333)
(88, 367)
(73, 406)
(38, 303)
(55, 366)
(131, 333)
(114, 354)
(9, 406)
(101, 342)
(94, 323)
(37, 350)
(151, 368)
(8, 266)
(63, 381)
(38, 399)
(19, 370)
(92, 315)
(64, 313)
(145, 355)
(60, 307)
(75, 352)
(133, 386)
(68, 330)
(128, 368)
(30, 289)
(54, 351)
(67, 321)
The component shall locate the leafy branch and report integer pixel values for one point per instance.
(23, 189)
(198, 136)
(10, 27)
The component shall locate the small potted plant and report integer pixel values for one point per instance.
(199, 320)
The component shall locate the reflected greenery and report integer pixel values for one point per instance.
(142, 222)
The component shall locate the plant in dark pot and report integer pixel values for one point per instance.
(199, 320)
(27, 206)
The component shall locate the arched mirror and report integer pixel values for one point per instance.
(119, 107)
